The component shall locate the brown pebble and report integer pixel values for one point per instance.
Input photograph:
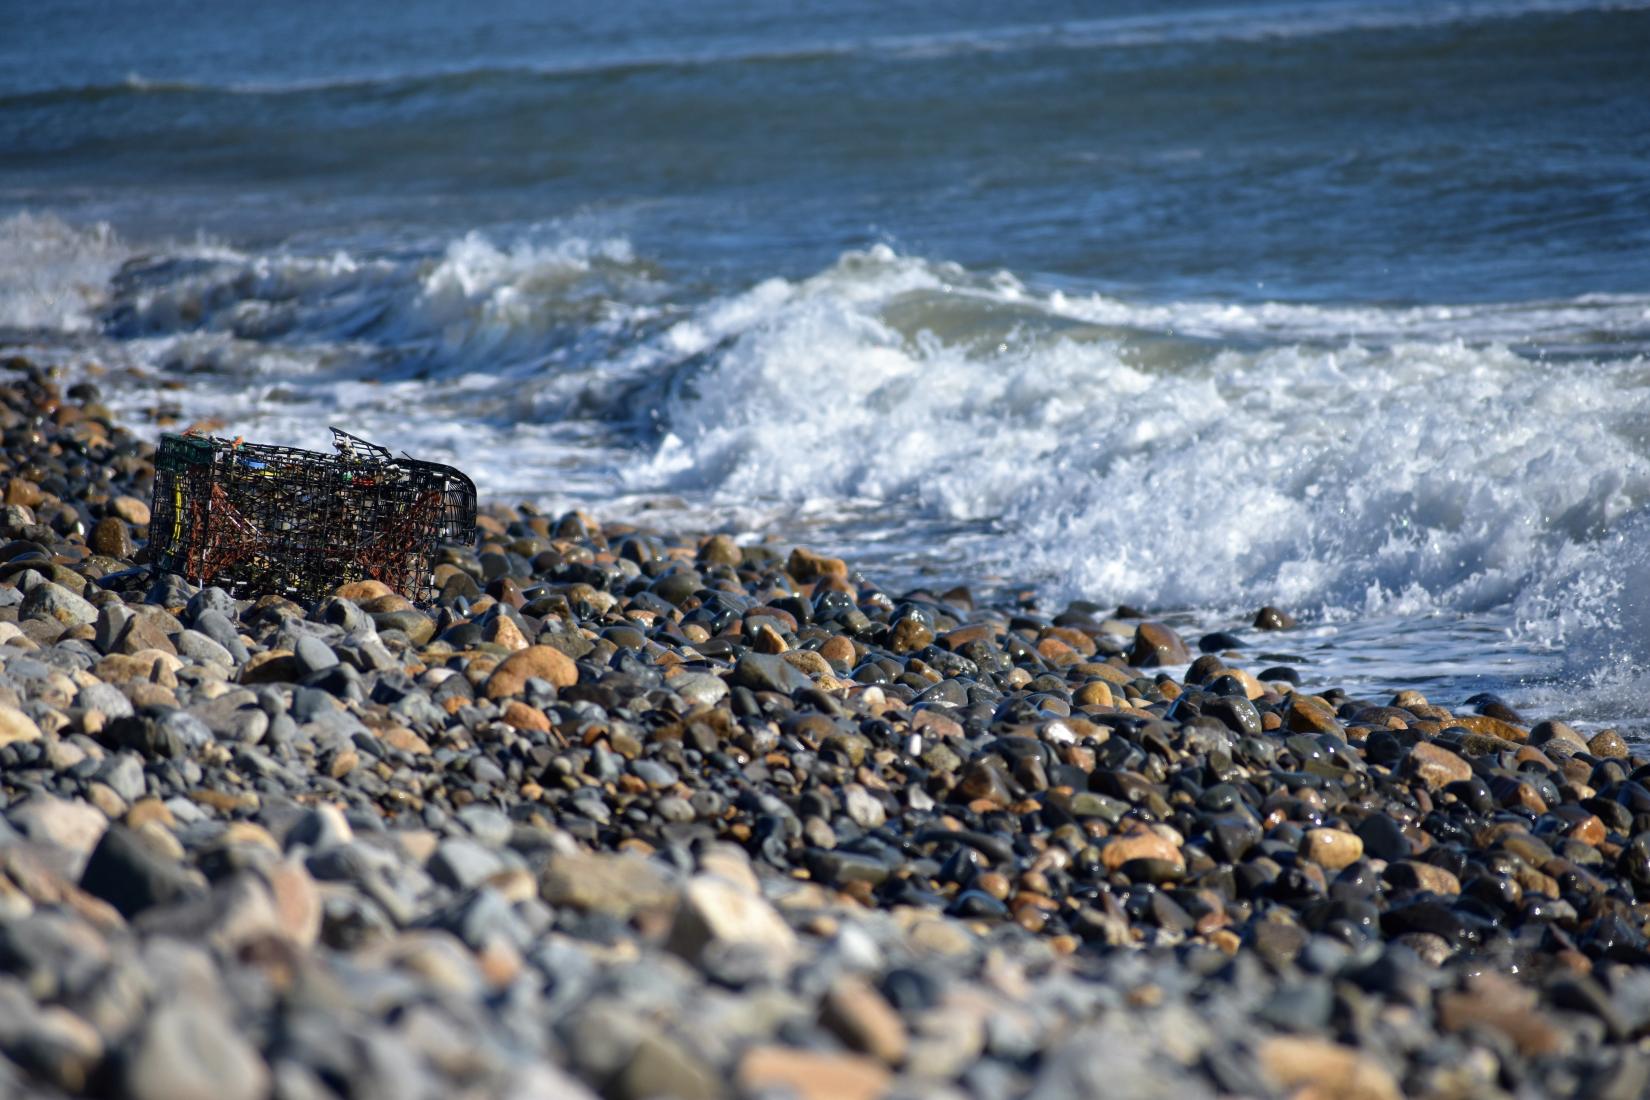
(226, 802)
(1057, 653)
(362, 591)
(864, 1020)
(1095, 693)
(1431, 878)
(1495, 1001)
(811, 1075)
(297, 902)
(112, 537)
(524, 717)
(269, 667)
(720, 550)
(1589, 830)
(1140, 843)
(1156, 644)
(838, 650)
(1310, 714)
(503, 631)
(541, 661)
(994, 884)
(145, 810)
(1270, 618)
(908, 636)
(1608, 745)
(1332, 848)
(1319, 1069)
(130, 509)
(1080, 642)
(20, 490)
(1552, 730)
(343, 763)
(768, 640)
(404, 740)
(1436, 766)
(1493, 727)
(105, 799)
(805, 565)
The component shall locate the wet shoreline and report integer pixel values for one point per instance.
(630, 815)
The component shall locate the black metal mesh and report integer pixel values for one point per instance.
(257, 519)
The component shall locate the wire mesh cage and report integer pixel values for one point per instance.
(256, 519)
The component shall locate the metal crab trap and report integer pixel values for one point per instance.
(255, 519)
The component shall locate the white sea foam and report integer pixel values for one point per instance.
(1403, 473)
(1355, 463)
(53, 276)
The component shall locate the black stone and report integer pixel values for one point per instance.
(128, 874)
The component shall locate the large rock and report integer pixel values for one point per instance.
(129, 872)
(712, 909)
(72, 825)
(191, 1052)
(767, 672)
(1554, 737)
(811, 1075)
(1307, 1066)
(297, 902)
(362, 591)
(540, 661)
(239, 910)
(53, 601)
(16, 726)
(618, 885)
(1156, 644)
(1491, 727)
(806, 566)
(1435, 765)
(1139, 843)
(660, 1066)
(1270, 618)
(1310, 714)
(1332, 849)
(862, 1018)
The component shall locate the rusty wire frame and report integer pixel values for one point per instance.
(256, 519)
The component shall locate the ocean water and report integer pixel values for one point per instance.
(1340, 305)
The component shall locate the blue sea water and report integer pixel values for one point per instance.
(1340, 305)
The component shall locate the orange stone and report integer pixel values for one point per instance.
(838, 650)
(524, 717)
(804, 565)
(1432, 878)
(1589, 830)
(768, 640)
(1493, 727)
(1074, 638)
(1332, 849)
(1095, 693)
(1057, 652)
(1436, 766)
(503, 631)
(1141, 843)
(405, 740)
(811, 1075)
(1317, 1069)
(541, 661)
(361, 591)
(1310, 714)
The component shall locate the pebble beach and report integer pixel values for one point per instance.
(635, 815)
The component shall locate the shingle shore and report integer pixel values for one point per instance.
(636, 816)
